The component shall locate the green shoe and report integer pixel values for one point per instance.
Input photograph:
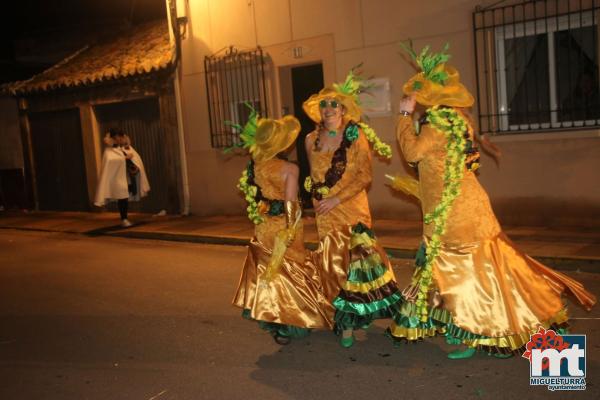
(562, 331)
(462, 354)
(452, 340)
(347, 342)
(281, 337)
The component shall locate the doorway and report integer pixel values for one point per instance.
(59, 161)
(302, 81)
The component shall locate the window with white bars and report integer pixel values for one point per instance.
(537, 66)
(234, 78)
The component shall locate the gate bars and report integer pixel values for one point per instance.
(233, 77)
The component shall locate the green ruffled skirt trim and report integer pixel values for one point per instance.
(370, 269)
(370, 292)
(455, 332)
(407, 324)
(364, 309)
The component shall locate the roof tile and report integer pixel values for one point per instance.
(141, 50)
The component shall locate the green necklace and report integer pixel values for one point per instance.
(332, 133)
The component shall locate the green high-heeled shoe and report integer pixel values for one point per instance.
(462, 354)
(562, 331)
(281, 337)
(347, 342)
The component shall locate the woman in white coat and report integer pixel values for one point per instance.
(122, 176)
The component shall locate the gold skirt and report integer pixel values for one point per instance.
(492, 289)
(294, 297)
(490, 294)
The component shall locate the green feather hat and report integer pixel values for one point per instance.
(437, 83)
(346, 93)
(266, 137)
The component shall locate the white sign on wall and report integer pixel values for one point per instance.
(376, 101)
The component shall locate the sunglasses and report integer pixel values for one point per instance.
(331, 103)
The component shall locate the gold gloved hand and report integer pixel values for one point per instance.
(283, 239)
(293, 213)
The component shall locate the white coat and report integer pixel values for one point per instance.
(113, 180)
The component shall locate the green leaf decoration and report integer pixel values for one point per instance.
(247, 132)
(354, 84)
(428, 62)
(249, 190)
(381, 148)
(234, 125)
(249, 129)
(408, 47)
(453, 125)
(351, 85)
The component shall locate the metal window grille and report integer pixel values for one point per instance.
(537, 65)
(233, 78)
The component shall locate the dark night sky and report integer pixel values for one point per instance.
(38, 33)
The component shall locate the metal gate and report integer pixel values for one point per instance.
(140, 120)
(59, 161)
(233, 78)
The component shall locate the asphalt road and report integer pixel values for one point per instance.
(113, 318)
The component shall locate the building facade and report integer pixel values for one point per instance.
(546, 175)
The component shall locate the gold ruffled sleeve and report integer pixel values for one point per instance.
(414, 147)
(358, 174)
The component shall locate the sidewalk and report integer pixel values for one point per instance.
(563, 248)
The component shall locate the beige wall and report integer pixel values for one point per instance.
(548, 178)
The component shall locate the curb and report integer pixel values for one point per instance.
(559, 263)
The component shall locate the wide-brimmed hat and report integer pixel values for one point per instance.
(346, 93)
(312, 109)
(274, 136)
(266, 137)
(437, 83)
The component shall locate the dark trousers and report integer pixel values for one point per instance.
(123, 205)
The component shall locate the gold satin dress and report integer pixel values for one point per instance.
(294, 297)
(356, 274)
(486, 292)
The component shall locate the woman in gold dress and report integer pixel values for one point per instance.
(279, 286)
(471, 283)
(356, 274)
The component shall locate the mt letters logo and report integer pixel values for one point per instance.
(556, 361)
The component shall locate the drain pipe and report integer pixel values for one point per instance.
(182, 154)
(174, 34)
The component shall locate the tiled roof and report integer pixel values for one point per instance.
(142, 50)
